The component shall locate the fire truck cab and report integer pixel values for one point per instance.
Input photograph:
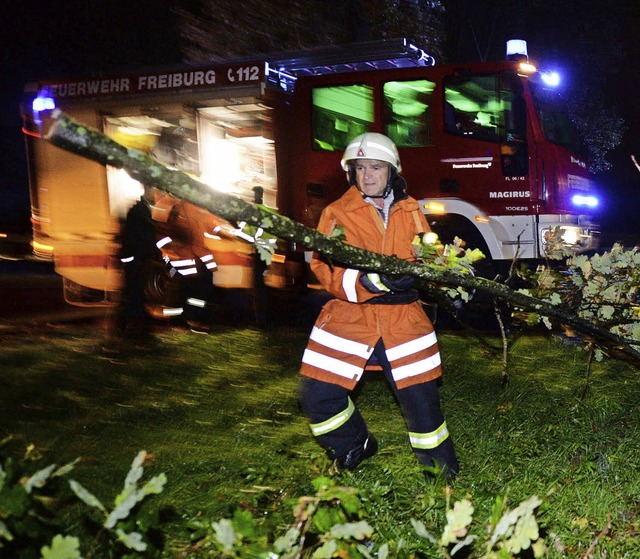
(487, 149)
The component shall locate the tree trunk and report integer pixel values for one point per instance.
(77, 138)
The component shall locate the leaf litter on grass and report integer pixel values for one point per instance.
(220, 414)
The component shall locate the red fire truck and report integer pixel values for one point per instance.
(487, 149)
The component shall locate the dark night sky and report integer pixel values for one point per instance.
(79, 37)
(66, 38)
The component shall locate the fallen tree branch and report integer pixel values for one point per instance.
(89, 143)
(606, 530)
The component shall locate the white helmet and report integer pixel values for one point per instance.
(372, 146)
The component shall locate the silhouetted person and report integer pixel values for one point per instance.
(260, 289)
(138, 253)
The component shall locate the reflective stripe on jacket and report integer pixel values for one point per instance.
(348, 327)
(185, 266)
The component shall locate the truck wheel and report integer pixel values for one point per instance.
(479, 311)
(450, 226)
(163, 298)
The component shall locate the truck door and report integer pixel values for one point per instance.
(330, 116)
(72, 218)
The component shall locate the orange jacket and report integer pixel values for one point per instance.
(349, 326)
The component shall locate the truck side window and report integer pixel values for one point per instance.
(339, 114)
(514, 150)
(406, 112)
(474, 107)
(556, 123)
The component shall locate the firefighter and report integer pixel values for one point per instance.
(187, 258)
(138, 252)
(374, 320)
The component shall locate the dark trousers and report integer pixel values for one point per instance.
(132, 320)
(197, 290)
(326, 404)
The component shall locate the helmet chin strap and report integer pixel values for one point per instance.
(386, 193)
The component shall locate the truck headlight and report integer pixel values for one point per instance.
(571, 235)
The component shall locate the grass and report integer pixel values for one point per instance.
(220, 416)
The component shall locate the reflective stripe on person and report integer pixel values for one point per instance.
(182, 242)
(374, 319)
(196, 276)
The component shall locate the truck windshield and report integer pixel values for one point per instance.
(553, 114)
(339, 114)
(475, 106)
(406, 112)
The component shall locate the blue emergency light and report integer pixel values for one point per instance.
(517, 49)
(552, 79)
(43, 104)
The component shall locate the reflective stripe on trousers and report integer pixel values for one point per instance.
(338, 426)
(334, 420)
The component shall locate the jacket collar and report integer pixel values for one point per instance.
(354, 200)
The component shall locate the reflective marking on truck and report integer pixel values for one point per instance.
(83, 260)
(511, 194)
(469, 162)
(93, 87)
(244, 74)
(466, 159)
(578, 162)
(178, 79)
(211, 77)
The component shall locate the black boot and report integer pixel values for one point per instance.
(437, 471)
(355, 456)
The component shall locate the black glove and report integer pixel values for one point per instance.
(382, 283)
(398, 282)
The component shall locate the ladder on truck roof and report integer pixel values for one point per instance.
(285, 68)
